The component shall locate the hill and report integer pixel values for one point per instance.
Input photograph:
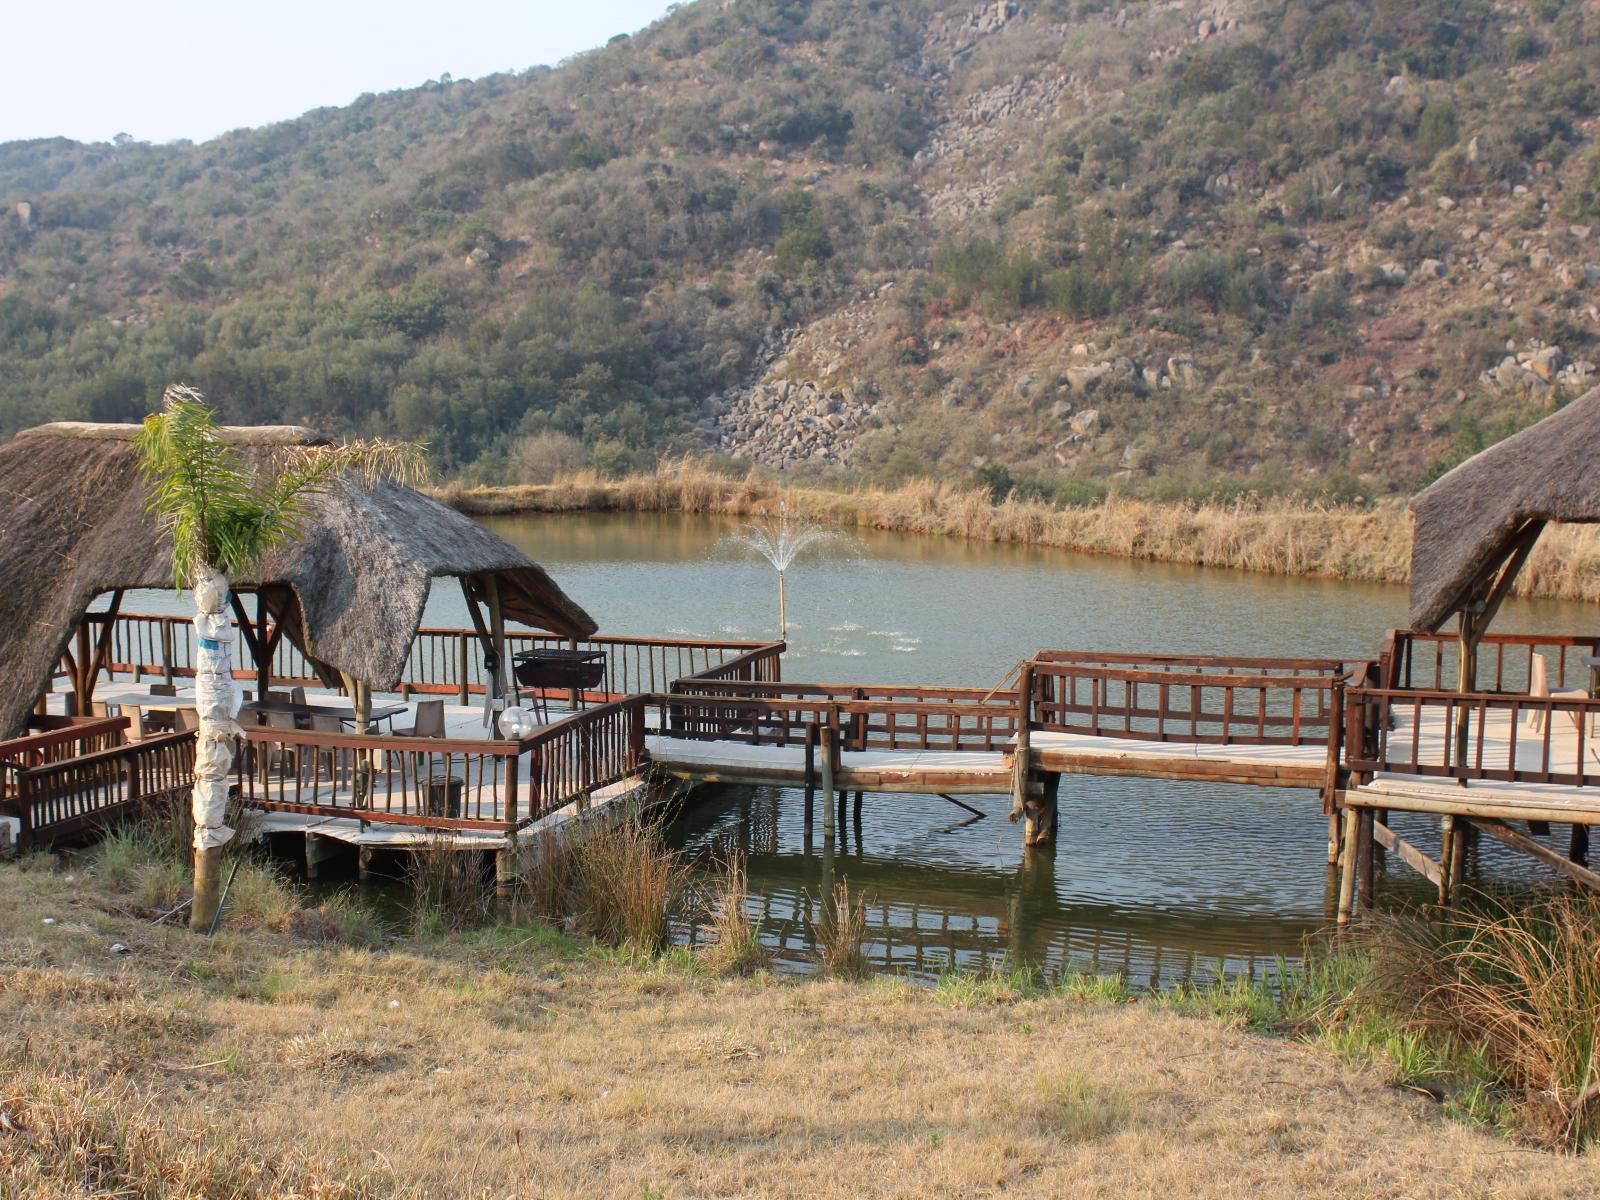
(1173, 247)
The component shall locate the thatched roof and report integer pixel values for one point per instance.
(1469, 521)
(73, 525)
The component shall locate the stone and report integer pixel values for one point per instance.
(1431, 268)
(1086, 379)
(1445, 203)
(1087, 423)
(1182, 369)
(1398, 85)
(1394, 274)
(1546, 363)
(25, 213)
(1540, 260)
(1580, 232)
(1061, 410)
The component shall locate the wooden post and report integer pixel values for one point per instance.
(1458, 857)
(1022, 755)
(166, 651)
(1447, 854)
(1040, 829)
(829, 741)
(364, 864)
(497, 642)
(505, 872)
(1334, 824)
(1347, 864)
(1366, 859)
(1578, 846)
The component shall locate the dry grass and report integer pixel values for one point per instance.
(628, 881)
(514, 1063)
(1287, 537)
(448, 889)
(736, 948)
(840, 932)
(1520, 990)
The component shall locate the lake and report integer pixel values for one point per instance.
(1158, 881)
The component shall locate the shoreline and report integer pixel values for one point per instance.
(1274, 536)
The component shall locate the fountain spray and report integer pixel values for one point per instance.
(779, 541)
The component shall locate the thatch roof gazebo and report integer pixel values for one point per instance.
(1476, 525)
(349, 592)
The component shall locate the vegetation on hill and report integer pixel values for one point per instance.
(1288, 247)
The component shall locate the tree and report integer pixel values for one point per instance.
(223, 516)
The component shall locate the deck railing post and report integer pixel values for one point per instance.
(464, 687)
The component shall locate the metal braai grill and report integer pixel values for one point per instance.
(560, 669)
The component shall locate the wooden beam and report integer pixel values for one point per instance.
(1508, 835)
(1409, 854)
(102, 648)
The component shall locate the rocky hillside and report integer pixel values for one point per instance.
(1178, 248)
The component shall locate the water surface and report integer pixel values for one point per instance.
(1154, 879)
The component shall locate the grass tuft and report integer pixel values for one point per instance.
(841, 932)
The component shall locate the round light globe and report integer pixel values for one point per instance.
(517, 723)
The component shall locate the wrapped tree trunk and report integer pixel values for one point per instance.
(217, 703)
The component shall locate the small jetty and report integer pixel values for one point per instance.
(367, 731)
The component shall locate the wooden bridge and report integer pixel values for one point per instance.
(1367, 737)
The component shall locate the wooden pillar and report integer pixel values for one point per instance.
(829, 742)
(1366, 859)
(1335, 821)
(1447, 855)
(1040, 828)
(505, 873)
(1347, 864)
(1578, 846)
(497, 643)
(1022, 755)
(1458, 857)
(364, 864)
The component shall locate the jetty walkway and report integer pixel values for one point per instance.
(1365, 737)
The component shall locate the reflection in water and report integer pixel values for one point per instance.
(1161, 880)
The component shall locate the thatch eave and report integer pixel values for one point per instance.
(1469, 521)
(73, 527)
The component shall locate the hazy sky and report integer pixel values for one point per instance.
(167, 69)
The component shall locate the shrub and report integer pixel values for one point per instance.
(840, 933)
(545, 457)
(628, 882)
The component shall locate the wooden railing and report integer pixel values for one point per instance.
(884, 717)
(1467, 736)
(53, 738)
(443, 783)
(569, 760)
(68, 795)
(449, 662)
(1197, 699)
(1429, 661)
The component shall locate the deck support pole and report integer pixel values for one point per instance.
(319, 849)
(1347, 864)
(1334, 821)
(1578, 847)
(1041, 810)
(826, 766)
(1458, 857)
(1366, 859)
(1447, 860)
(364, 864)
(505, 873)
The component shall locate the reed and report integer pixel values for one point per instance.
(628, 881)
(1520, 986)
(737, 948)
(840, 933)
(1283, 536)
(448, 889)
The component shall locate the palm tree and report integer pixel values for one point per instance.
(223, 516)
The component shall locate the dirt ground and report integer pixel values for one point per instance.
(518, 1063)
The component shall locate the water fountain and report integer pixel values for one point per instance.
(780, 541)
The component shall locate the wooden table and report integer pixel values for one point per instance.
(345, 712)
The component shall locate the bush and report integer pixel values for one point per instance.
(545, 457)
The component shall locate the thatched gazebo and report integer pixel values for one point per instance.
(349, 592)
(1476, 525)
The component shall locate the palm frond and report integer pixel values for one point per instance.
(222, 515)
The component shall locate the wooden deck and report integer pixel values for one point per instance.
(948, 772)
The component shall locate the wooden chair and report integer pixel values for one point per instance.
(185, 719)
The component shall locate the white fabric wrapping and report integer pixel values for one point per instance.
(217, 701)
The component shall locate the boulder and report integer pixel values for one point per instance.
(1182, 369)
(1431, 268)
(1087, 423)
